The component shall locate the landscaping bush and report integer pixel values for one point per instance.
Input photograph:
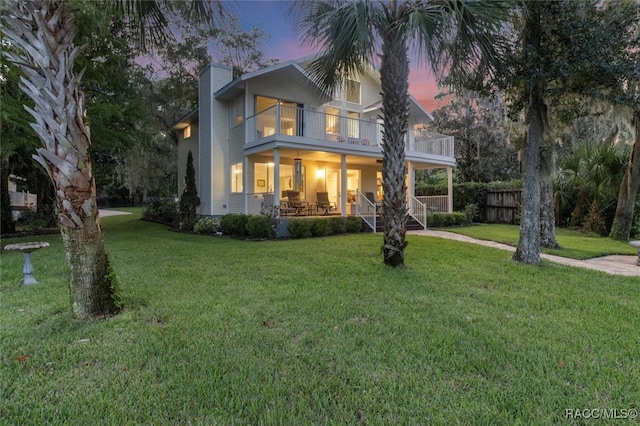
(162, 210)
(189, 201)
(234, 224)
(471, 210)
(206, 225)
(353, 224)
(439, 220)
(319, 227)
(337, 225)
(299, 228)
(259, 226)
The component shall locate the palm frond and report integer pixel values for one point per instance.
(474, 41)
(148, 20)
(343, 31)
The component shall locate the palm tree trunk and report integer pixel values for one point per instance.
(44, 30)
(628, 193)
(394, 76)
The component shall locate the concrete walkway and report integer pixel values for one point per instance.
(616, 265)
(105, 212)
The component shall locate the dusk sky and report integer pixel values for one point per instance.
(283, 44)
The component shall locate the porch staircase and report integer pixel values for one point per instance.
(412, 225)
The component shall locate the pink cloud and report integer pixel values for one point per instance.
(424, 88)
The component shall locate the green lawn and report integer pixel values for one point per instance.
(316, 331)
(573, 244)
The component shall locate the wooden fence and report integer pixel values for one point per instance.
(503, 206)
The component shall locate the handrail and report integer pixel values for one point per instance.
(418, 210)
(369, 218)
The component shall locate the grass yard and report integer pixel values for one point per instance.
(573, 244)
(316, 331)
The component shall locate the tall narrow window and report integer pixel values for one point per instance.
(236, 114)
(186, 133)
(353, 91)
(332, 121)
(353, 124)
(236, 177)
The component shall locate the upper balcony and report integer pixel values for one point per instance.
(313, 127)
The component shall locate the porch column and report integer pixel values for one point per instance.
(343, 184)
(245, 184)
(276, 177)
(411, 179)
(450, 188)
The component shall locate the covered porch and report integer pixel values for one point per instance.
(353, 183)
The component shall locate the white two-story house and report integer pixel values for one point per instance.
(270, 131)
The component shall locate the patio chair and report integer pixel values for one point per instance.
(295, 202)
(323, 203)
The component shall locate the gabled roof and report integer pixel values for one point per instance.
(415, 109)
(290, 70)
(185, 120)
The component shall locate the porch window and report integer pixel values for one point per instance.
(353, 183)
(353, 91)
(236, 177)
(264, 175)
(353, 124)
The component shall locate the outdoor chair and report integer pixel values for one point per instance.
(295, 202)
(323, 203)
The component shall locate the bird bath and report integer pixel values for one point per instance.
(27, 248)
(636, 245)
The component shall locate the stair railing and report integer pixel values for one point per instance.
(418, 210)
(366, 210)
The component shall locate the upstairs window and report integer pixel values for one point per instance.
(236, 113)
(332, 121)
(353, 91)
(353, 124)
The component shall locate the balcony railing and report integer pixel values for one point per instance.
(320, 126)
(431, 143)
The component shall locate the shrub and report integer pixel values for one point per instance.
(234, 224)
(299, 228)
(337, 225)
(471, 211)
(259, 226)
(353, 224)
(162, 210)
(189, 201)
(438, 220)
(206, 225)
(319, 227)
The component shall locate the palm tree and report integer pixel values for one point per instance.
(44, 31)
(459, 37)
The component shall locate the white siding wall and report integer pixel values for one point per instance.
(236, 155)
(214, 137)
